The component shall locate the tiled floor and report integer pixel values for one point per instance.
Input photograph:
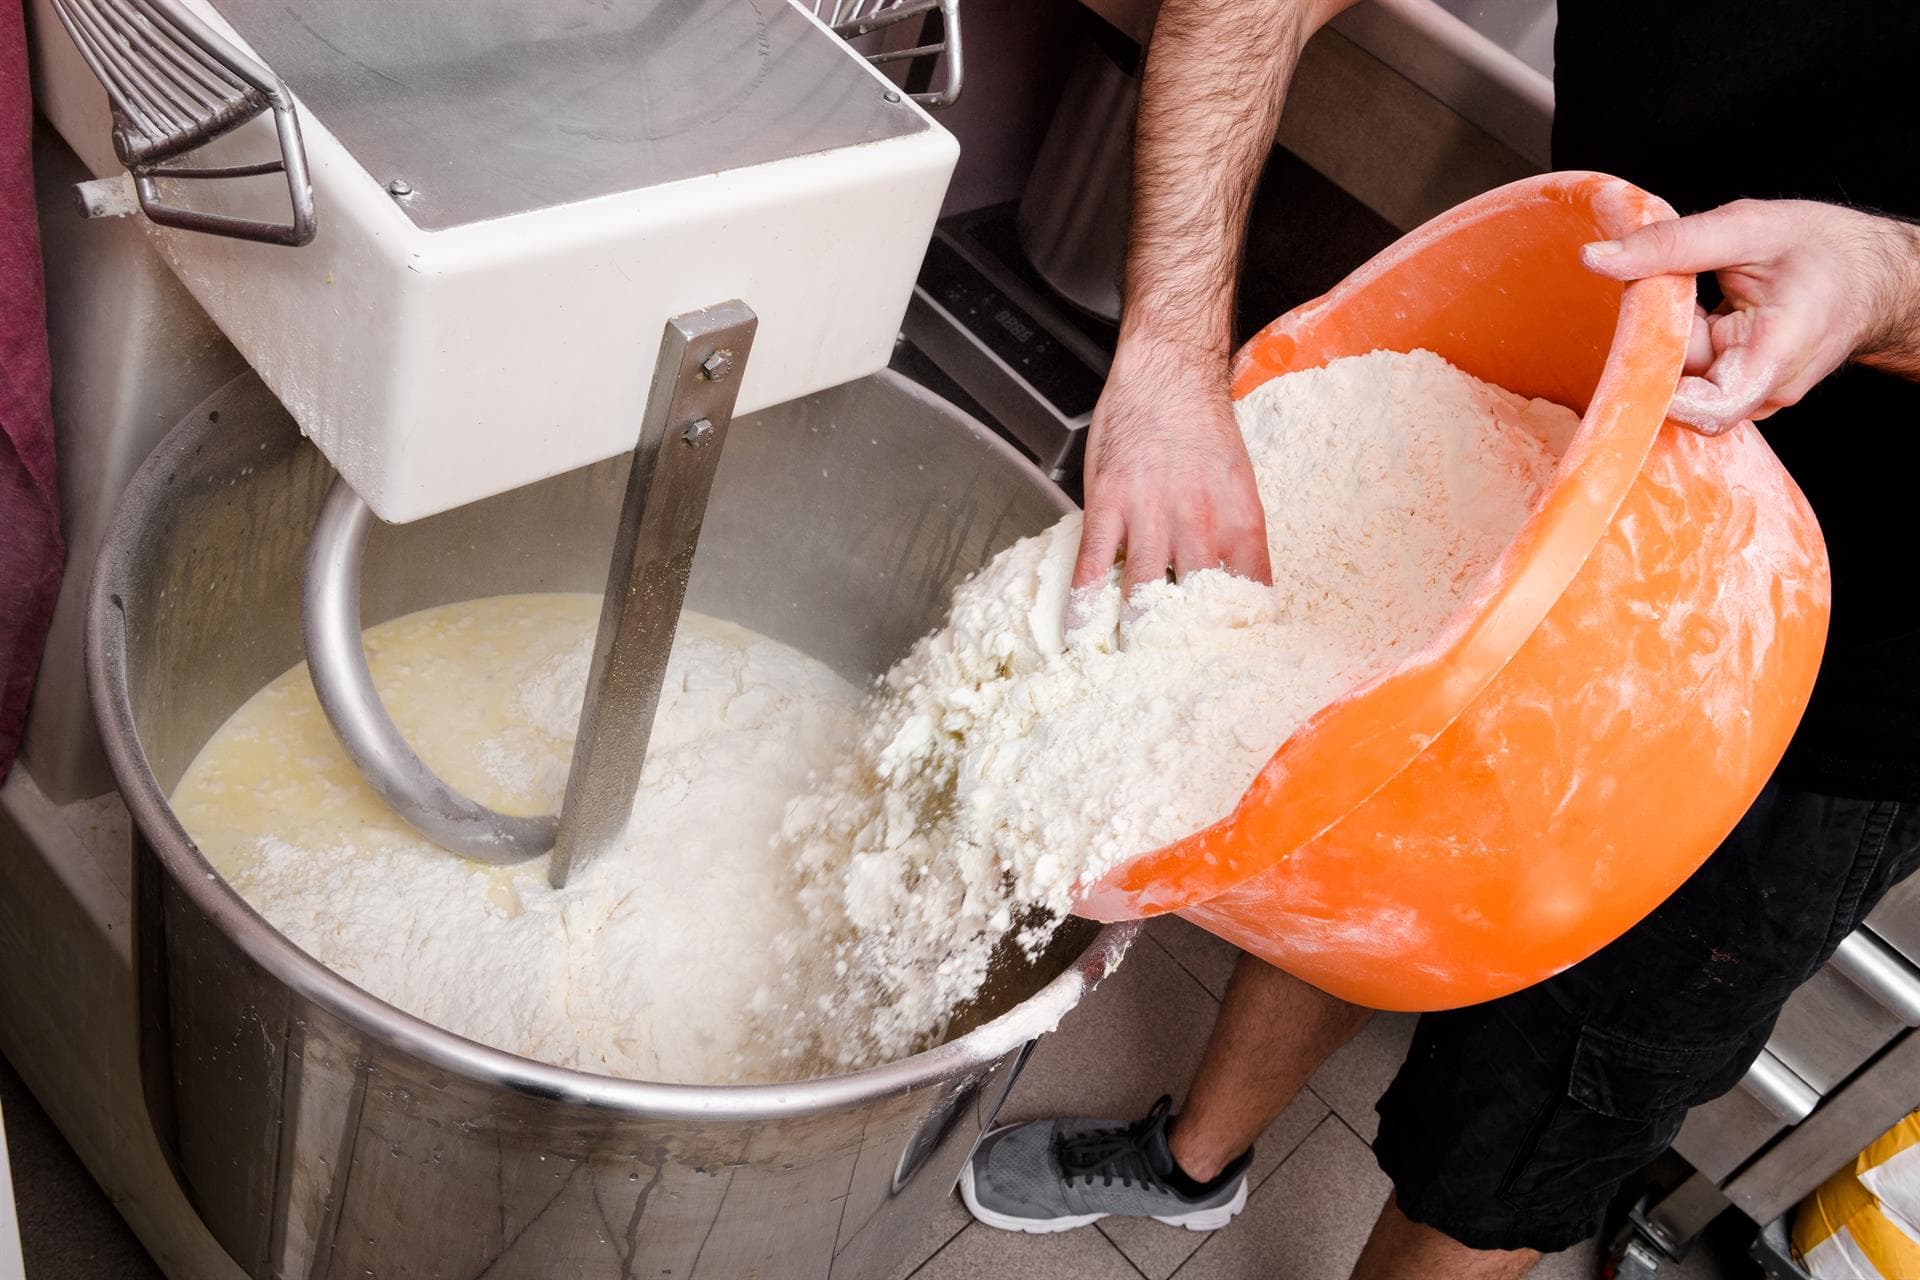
(68, 1228)
(1316, 1186)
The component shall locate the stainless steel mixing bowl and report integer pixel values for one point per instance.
(323, 1133)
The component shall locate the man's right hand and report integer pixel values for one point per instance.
(1169, 485)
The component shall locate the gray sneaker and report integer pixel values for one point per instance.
(1053, 1175)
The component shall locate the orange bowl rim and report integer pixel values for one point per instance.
(1429, 691)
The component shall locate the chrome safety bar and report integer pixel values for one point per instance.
(173, 85)
(852, 19)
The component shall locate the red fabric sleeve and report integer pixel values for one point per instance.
(30, 544)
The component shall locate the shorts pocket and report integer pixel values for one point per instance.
(1626, 1079)
(1864, 883)
(1624, 1101)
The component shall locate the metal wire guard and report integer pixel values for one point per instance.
(175, 85)
(851, 19)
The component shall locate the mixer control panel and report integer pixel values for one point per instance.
(1009, 331)
(1029, 359)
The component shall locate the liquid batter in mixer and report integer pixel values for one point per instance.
(642, 965)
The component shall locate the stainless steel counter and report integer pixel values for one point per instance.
(1489, 61)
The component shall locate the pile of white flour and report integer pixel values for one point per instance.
(1009, 760)
(644, 965)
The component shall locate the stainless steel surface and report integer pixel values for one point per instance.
(668, 486)
(1053, 440)
(494, 107)
(1829, 1028)
(1074, 213)
(1050, 427)
(854, 20)
(1772, 1249)
(174, 85)
(1403, 150)
(131, 354)
(1882, 973)
(68, 1019)
(1489, 60)
(323, 1133)
(1523, 28)
(1778, 1088)
(1833, 1135)
(343, 683)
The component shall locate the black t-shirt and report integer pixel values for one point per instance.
(1706, 101)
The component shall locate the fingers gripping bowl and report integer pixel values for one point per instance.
(1586, 730)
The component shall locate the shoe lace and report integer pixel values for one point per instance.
(1113, 1154)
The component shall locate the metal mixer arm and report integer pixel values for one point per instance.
(695, 386)
(330, 626)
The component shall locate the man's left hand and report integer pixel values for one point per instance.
(1807, 287)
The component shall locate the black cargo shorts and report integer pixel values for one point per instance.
(1513, 1123)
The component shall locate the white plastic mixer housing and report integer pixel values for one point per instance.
(577, 174)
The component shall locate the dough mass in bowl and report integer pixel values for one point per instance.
(814, 878)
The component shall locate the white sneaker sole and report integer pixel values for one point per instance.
(1199, 1220)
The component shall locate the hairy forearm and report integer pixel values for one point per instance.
(1893, 343)
(1216, 76)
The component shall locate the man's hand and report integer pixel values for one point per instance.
(1169, 483)
(1807, 287)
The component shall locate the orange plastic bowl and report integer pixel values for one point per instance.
(1590, 726)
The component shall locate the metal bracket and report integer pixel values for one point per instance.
(1883, 973)
(1674, 1221)
(695, 386)
(174, 85)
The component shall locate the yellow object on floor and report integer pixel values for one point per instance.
(1860, 1224)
